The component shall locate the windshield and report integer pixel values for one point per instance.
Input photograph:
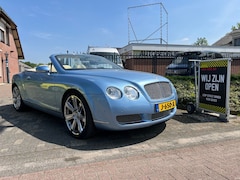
(114, 57)
(183, 58)
(180, 60)
(85, 62)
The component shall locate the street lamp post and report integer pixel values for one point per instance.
(7, 68)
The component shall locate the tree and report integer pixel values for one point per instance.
(33, 65)
(233, 28)
(202, 41)
(30, 64)
(236, 27)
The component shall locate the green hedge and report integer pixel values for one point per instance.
(185, 86)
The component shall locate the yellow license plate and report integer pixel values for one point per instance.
(165, 106)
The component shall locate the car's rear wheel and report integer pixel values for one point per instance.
(17, 99)
(77, 116)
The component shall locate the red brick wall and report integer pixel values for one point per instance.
(235, 68)
(145, 65)
(13, 62)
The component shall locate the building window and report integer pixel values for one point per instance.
(7, 36)
(2, 37)
(237, 42)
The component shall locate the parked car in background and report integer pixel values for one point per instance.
(109, 53)
(181, 64)
(90, 92)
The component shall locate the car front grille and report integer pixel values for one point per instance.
(129, 119)
(158, 90)
(161, 114)
(137, 118)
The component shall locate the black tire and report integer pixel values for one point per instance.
(17, 99)
(190, 108)
(77, 116)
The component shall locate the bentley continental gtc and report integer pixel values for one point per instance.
(91, 92)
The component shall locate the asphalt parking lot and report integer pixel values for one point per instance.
(37, 145)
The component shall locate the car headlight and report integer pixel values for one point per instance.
(131, 93)
(114, 93)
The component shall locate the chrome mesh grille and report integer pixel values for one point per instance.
(161, 114)
(158, 90)
(128, 119)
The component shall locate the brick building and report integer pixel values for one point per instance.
(10, 48)
(156, 57)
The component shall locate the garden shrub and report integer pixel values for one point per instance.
(185, 86)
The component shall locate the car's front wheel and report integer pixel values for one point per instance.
(78, 116)
(17, 99)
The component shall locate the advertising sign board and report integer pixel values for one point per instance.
(214, 85)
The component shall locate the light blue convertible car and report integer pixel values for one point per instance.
(91, 92)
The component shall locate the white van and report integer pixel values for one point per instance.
(109, 53)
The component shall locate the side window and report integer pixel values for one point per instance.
(2, 36)
(237, 42)
(52, 69)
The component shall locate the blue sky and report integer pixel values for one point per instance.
(54, 26)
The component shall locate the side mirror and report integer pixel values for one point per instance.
(42, 69)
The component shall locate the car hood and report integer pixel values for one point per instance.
(127, 75)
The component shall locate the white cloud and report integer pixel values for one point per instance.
(42, 35)
(105, 31)
(184, 39)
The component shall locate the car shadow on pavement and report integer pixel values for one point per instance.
(51, 129)
(196, 117)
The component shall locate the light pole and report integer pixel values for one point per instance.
(7, 68)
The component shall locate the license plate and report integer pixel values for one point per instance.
(165, 106)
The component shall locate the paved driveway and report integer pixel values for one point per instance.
(32, 141)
